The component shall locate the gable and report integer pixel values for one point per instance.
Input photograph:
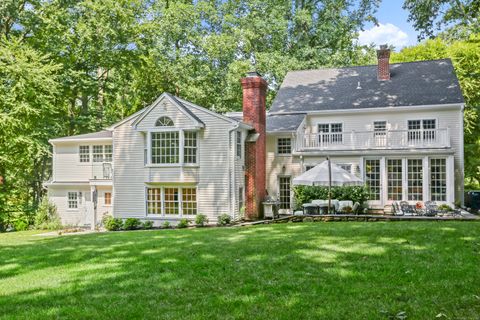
(167, 106)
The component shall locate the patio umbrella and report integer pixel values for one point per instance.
(327, 174)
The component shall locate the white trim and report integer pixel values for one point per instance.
(162, 187)
(292, 148)
(373, 110)
(75, 140)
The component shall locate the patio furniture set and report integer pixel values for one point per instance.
(317, 207)
(429, 208)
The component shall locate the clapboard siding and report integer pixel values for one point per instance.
(75, 217)
(211, 176)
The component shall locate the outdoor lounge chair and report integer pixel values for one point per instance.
(397, 210)
(431, 209)
(407, 209)
(343, 204)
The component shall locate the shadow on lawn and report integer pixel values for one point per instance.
(334, 270)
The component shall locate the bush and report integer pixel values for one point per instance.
(47, 217)
(147, 224)
(112, 224)
(183, 223)
(201, 220)
(445, 207)
(305, 194)
(131, 224)
(224, 219)
(20, 225)
(166, 225)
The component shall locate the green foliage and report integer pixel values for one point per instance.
(46, 217)
(166, 225)
(20, 225)
(445, 207)
(112, 224)
(148, 224)
(201, 220)
(131, 224)
(305, 194)
(183, 223)
(224, 219)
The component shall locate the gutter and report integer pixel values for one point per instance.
(231, 154)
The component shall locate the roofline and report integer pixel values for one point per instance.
(53, 141)
(130, 117)
(460, 105)
(172, 100)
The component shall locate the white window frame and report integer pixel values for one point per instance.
(329, 134)
(105, 198)
(189, 147)
(421, 131)
(88, 147)
(162, 201)
(238, 144)
(280, 192)
(181, 139)
(430, 178)
(77, 200)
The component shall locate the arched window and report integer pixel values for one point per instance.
(164, 122)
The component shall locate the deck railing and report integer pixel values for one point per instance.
(360, 140)
(102, 171)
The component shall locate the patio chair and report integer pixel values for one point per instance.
(431, 209)
(407, 209)
(356, 208)
(343, 204)
(397, 210)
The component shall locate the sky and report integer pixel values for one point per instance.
(393, 28)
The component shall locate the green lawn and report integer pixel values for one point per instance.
(285, 271)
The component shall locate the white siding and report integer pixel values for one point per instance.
(75, 217)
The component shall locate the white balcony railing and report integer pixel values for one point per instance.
(102, 171)
(360, 140)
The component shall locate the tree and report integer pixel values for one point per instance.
(458, 16)
(465, 55)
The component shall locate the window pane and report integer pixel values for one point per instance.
(164, 122)
(346, 166)
(72, 200)
(438, 180)
(239, 143)
(108, 153)
(190, 147)
(240, 199)
(165, 147)
(372, 178)
(171, 201)
(108, 198)
(394, 172)
(284, 145)
(189, 201)
(284, 188)
(97, 153)
(154, 201)
(415, 179)
(84, 152)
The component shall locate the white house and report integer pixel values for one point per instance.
(399, 127)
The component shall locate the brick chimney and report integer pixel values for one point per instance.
(383, 70)
(254, 114)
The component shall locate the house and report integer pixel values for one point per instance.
(397, 126)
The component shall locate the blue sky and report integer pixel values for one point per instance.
(393, 29)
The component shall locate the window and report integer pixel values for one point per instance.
(284, 145)
(190, 147)
(238, 138)
(438, 180)
(417, 127)
(189, 201)
(394, 173)
(72, 200)
(164, 122)
(309, 166)
(165, 147)
(346, 166)
(108, 198)
(380, 128)
(330, 132)
(84, 152)
(167, 201)
(284, 188)
(415, 179)
(97, 153)
(372, 178)
(108, 153)
(154, 201)
(240, 199)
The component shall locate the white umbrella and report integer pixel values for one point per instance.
(327, 174)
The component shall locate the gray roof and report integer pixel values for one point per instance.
(284, 123)
(87, 136)
(412, 84)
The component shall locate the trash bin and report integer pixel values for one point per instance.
(472, 200)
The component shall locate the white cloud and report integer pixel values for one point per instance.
(384, 34)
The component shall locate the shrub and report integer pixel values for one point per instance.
(305, 194)
(224, 219)
(112, 224)
(46, 217)
(166, 225)
(20, 225)
(147, 224)
(201, 220)
(131, 224)
(445, 207)
(183, 223)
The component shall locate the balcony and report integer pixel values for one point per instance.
(102, 171)
(368, 140)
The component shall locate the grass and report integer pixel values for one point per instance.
(424, 270)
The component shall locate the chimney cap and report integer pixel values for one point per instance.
(253, 74)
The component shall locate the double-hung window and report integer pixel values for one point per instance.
(171, 201)
(330, 133)
(84, 152)
(102, 153)
(165, 147)
(72, 200)
(421, 129)
(97, 153)
(190, 147)
(284, 146)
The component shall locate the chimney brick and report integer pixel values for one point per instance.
(254, 114)
(383, 70)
